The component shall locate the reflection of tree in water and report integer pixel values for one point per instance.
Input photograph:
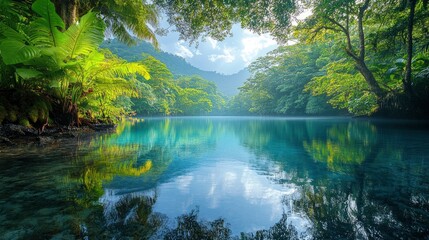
(137, 149)
(131, 217)
(353, 185)
(98, 162)
(343, 146)
(190, 227)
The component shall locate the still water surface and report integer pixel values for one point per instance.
(223, 177)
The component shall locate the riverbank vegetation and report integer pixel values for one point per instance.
(347, 57)
(373, 61)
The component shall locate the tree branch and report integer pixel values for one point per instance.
(360, 27)
(317, 30)
(345, 30)
(352, 54)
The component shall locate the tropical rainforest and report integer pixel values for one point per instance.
(362, 58)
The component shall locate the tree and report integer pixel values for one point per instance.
(193, 102)
(162, 91)
(195, 19)
(375, 23)
(278, 79)
(346, 17)
(120, 17)
(208, 88)
(64, 63)
(353, 23)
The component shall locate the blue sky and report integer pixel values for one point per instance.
(227, 57)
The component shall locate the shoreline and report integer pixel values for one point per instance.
(12, 135)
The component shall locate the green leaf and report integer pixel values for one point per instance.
(400, 62)
(46, 9)
(391, 71)
(8, 32)
(84, 36)
(55, 84)
(14, 51)
(28, 73)
(46, 30)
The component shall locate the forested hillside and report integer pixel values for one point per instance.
(227, 84)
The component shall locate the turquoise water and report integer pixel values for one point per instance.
(220, 178)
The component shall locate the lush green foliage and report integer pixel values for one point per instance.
(278, 80)
(361, 56)
(123, 19)
(163, 95)
(384, 46)
(194, 19)
(53, 69)
(65, 68)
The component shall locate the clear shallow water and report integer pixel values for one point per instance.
(305, 178)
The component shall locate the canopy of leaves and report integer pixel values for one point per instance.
(194, 19)
(278, 79)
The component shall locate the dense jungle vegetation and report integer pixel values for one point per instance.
(357, 57)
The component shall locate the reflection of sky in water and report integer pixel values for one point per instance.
(226, 189)
(348, 179)
(222, 183)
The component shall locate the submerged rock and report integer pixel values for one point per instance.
(45, 140)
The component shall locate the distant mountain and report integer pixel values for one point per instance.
(227, 84)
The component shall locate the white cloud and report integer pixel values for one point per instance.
(212, 42)
(183, 51)
(253, 44)
(198, 52)
(227, 56)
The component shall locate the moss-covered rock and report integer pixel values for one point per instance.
(33, 114)
(12, 114)
(23, 107)
(24, 122)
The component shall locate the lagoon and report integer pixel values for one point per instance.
(224, 177)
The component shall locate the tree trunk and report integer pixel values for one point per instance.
(407, 78)
(68, 10)
(360, 59)
(369, 78)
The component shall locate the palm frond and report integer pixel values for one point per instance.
(84, 36)
(121, 33)
(126, 19)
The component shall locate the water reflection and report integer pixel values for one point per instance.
(344, 146)
(224, 178)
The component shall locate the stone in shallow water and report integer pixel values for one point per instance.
(45, 140)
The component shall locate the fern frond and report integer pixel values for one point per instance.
(121, 69)
(84, 36)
